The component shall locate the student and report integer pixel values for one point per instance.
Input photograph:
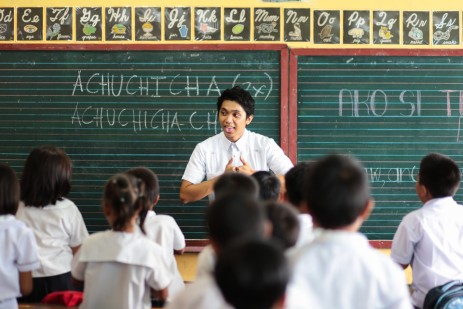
(235, 149)
(226, 183)
(285, 224)
(230, 217)
(236, 182)
(118, 266)
(430, 239)
(162, 229)
(57, 223)
(339, 269)
(252, 274)
(18, 254)
(294, 181)
(269, 186)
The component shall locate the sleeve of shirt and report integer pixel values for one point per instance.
(27, 252)
(78, 230)
(179, 238)
(278, 162)
(195, 170)
(206, 262)
(78, 267)
(398, 293)
(405, 238)
(160, 277)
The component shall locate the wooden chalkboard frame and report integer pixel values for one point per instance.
(293, 87)
(192, 245)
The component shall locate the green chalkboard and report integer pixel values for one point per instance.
(388, 110)
(114, 109)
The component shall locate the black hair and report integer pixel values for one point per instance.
(149, 178)
(240, 96)
(337, 191)
(236, 182)
(148, 184)
(294, 181)
(285, 223)
(232, 215)
(269, 185)
(439, 174)
(46, 177)
(252, 274)
(9, 190)
(122, 193)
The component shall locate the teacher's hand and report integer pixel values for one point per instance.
(245, 168)
(230, 167)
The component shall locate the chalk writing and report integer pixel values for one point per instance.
(6, 16)
(383, 176)
(376, 102)
(106, 84)
(352, 98)
(27, 19)
(138, 120)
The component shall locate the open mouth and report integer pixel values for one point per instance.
(228, 129)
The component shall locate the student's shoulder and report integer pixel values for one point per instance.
(413, 217)
(201, 294)
(62, 205)
(164, 220)
(14, 226)
(96, 238)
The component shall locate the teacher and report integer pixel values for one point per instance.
(235, 149)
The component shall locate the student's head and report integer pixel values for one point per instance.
(294, 180)
(148, 185)
(236, 182)
(232, 216)
(252, 274)
(122, 200)
(235, 108)
(269, 185)
(439, 175)
(150, 180)
(285, 223)
(9, 190)
(337, 192)
(46, 176)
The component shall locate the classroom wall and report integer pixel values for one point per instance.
(356, 5)
(187, 262)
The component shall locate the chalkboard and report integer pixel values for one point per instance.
(113, 107)
(388, 108)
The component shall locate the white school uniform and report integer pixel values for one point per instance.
(18, 254)
(431, 240)
(163, 230)
(57, 228)
(340, 269)
(306, 234)
(118, 270)
(206, 262)
(210, 157)
(201, 294)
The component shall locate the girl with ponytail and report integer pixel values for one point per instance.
(119, 267)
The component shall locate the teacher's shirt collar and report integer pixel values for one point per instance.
(240, 144)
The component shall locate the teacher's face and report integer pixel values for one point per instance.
(232, 118)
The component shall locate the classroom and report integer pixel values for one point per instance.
(119, 85)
